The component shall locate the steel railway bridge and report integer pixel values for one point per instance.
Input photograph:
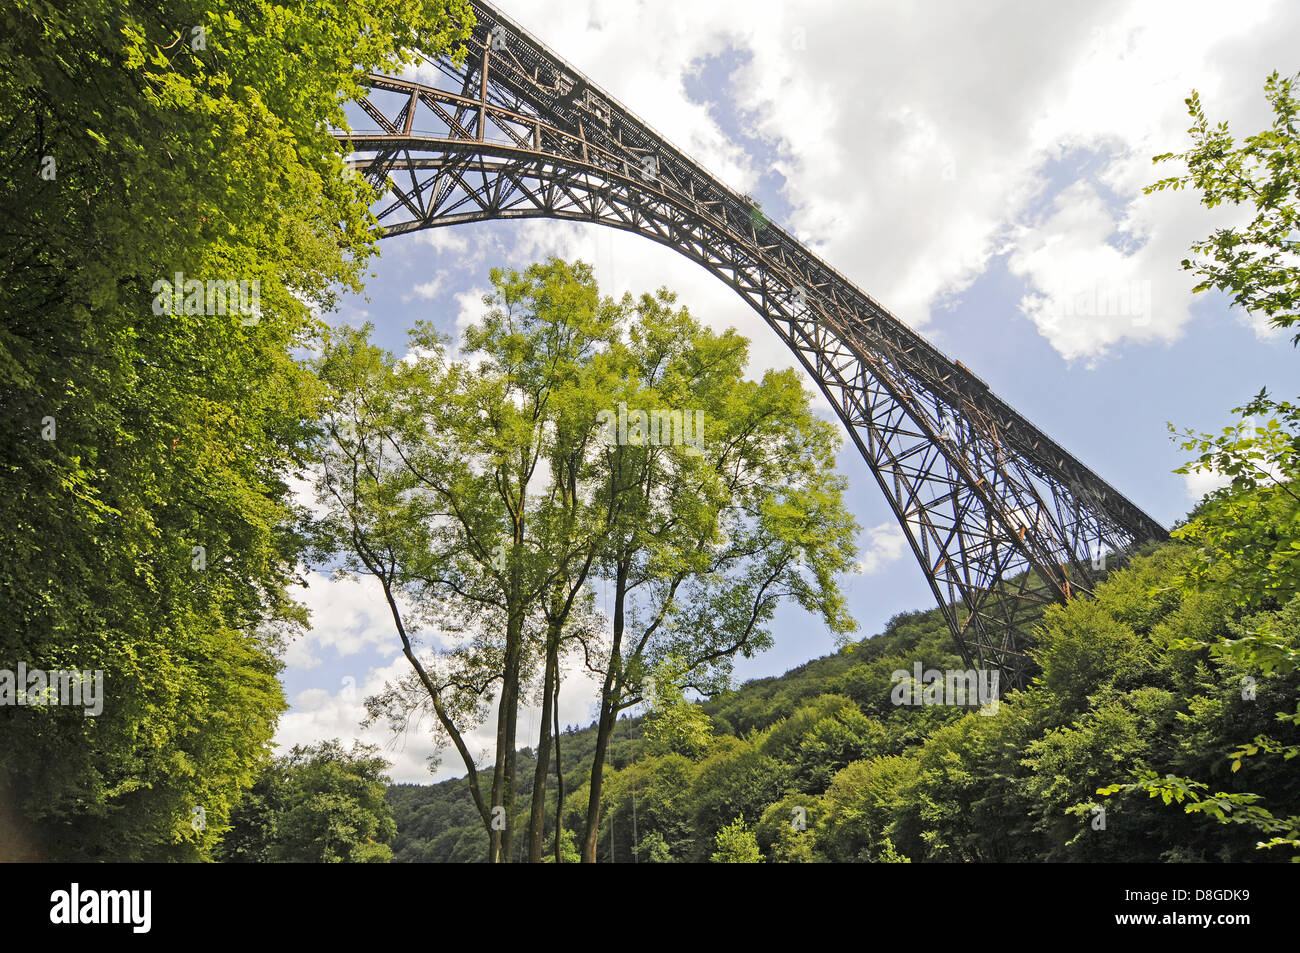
(1002, 520)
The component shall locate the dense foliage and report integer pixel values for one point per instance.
(491, 493)
(317, 804)
(1255, 263)
(146, 528)
(819, 764)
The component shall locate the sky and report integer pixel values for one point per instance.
(976, 167)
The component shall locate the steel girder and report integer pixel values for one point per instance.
(1002, 520)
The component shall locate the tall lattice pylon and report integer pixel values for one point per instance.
(1001, 519)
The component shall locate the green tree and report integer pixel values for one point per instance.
(675, 725)
(834, 743)
(568, 849)
(648, 805)
(1248, 533)
(708, 537)
(785, 833)
(146, 526)
(1255, 263)
(461, 486)
(735, 844)
(317, 804)
(736, 779)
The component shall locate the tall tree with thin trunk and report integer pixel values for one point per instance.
(460, 455)
(708, 538)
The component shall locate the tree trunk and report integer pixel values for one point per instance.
(503, 778)
(609, 697)
(559, 777)
(537, 816)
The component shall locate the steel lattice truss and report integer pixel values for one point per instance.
(1001, 519)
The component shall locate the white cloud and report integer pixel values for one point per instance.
(429, 290)
(1199, 484)
(303, 491)
(319, 713)
(444, 240)
(349, 616)
(884, 545)
(918, 140)
(1088, 294)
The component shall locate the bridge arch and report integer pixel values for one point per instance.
(1000, 518)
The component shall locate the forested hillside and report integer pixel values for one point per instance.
(437, 823)
(820, 764)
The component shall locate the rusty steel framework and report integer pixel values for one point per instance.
(1001, 518)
